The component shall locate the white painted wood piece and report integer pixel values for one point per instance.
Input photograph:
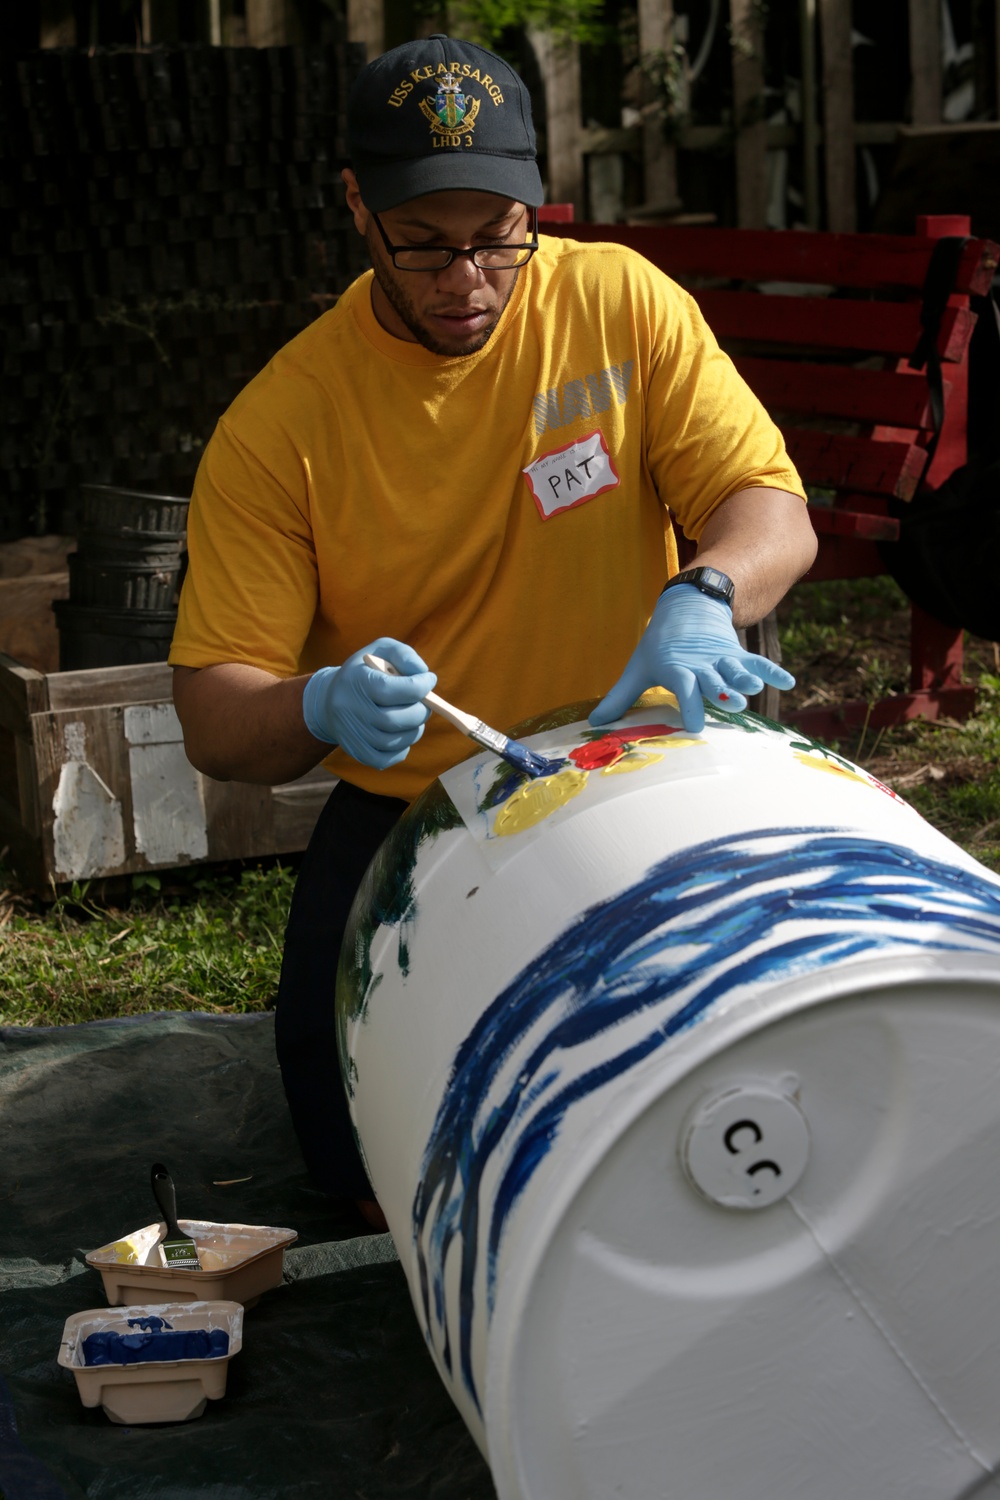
(88, 832)
(168, 812)
(168, 806)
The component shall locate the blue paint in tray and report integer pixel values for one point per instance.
(160, 1345)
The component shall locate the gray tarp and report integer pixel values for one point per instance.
(333, 1394)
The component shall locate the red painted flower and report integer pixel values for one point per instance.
(613, 745)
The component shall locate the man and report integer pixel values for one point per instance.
(469, 466)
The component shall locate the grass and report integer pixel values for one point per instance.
(210, 939)
(850, 639)
(951, 773)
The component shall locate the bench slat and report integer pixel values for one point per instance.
(832, 521)
(855, 260)
(837, 461)
(877, 396)
(880, 327)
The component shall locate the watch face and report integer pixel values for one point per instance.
(710, 580)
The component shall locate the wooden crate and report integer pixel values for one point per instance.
(94, 782)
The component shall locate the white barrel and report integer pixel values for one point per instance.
(676, 1074)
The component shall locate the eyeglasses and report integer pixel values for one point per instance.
(436, 257)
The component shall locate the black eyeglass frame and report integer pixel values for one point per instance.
(453, 252)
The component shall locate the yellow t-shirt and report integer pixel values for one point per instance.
(504, 513)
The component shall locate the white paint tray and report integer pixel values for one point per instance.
(239, 1262)
(160, 1391)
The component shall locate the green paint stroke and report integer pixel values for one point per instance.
(387, 898)
(747, 720)
(555, 718)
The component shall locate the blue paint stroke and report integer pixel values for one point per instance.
(528, 761)
(671, 946)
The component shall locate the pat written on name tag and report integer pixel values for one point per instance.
(571, 475)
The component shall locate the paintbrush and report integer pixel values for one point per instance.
(512, 751)
(178, 1251)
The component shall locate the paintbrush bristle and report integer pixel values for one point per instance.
(516, 754)
(529, 761)
(513, 752)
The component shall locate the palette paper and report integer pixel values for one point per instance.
(506, 812)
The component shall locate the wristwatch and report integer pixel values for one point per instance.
(717, 585)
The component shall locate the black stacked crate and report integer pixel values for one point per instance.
(175, 215)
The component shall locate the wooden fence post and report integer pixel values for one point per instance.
(559, 64)
(366, 24)
(748, 111)
(810, 125)
(659, 158)
(159, 21)
(57, 24)
(838, 115)
(215, 23)
(925, 61)
(271, 23)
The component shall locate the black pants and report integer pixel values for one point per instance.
(350, 829)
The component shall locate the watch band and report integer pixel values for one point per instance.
(711, 581)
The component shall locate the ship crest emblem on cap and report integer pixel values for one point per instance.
(452, 113)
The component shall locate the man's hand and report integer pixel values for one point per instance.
(374, 717)
(691, 648)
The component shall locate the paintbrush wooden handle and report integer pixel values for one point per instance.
(467, 723)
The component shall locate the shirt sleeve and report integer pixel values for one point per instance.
(707, 434)
(250, 593)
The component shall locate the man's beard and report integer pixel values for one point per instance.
(408, 315)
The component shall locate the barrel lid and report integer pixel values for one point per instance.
(837, 1339)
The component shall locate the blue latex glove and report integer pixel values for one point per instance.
(374, 717)
(691, 647)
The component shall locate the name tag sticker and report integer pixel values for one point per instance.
(571, 475)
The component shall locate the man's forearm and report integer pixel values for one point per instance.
(243, 724)
(763, 539)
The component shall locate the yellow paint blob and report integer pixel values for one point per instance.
(537, 800)
(657, 697)
(822, 764)
(634, 760)
(671, 742)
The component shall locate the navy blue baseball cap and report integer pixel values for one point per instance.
(441, 113)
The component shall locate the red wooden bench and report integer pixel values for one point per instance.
(822, 327)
